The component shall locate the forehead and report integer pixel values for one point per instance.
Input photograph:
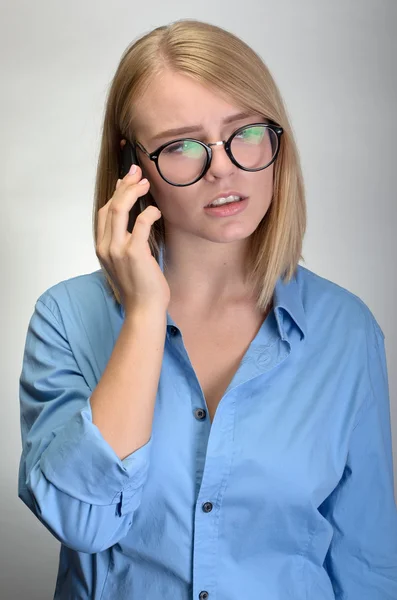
(174, 100)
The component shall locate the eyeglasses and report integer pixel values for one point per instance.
(184, 161)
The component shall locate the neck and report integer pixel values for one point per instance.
(211, 275)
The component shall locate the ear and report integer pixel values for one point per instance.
(122, 143)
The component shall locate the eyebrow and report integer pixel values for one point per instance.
(194, 128)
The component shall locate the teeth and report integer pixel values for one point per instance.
(220, 201)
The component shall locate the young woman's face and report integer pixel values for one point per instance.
(176, 101)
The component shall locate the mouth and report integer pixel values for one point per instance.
(228, 209)
(231, 201)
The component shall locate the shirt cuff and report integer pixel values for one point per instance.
(80, 462)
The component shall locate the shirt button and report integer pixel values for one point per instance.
(203, 595)
(200, 414)
(207, 507)
(173, 330)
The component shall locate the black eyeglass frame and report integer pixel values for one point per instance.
(154, 156)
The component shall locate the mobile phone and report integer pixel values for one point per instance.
(128, 157)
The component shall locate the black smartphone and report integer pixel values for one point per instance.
(128, 157)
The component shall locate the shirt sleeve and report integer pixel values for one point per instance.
(69, 476)
(362, 557)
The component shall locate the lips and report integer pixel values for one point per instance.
(225, 195)
(227, 210)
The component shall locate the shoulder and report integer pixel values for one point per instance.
(332, 307)
(81, 298)
(74, 326)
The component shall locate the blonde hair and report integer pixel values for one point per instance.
(221, 60)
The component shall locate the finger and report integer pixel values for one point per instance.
(107, 235)
(103, 216)
(121, 187)
(133, 175)
(101, 222)
(142, 227)
(104, 225)
(121, 208)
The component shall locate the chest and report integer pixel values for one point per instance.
(216, 348)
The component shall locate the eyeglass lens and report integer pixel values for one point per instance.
(184, 161)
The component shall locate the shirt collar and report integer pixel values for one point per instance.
(287, 297)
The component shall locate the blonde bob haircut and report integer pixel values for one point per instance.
(221, 61)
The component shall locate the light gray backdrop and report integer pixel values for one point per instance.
(335, 63)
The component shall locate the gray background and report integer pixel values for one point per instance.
(335, 64)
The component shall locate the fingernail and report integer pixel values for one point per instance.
(132, 169)
(142, 181)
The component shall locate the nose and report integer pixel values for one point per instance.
(221, 165)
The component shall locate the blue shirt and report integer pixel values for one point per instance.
(287, 495)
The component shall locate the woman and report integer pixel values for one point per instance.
(203, 417)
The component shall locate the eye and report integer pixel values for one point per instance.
(253, 135)
(172, 148)
(185, 148)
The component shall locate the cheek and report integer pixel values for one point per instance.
(262, 192)
(159, 189)
(265, 185)
(169, 199)
(267, 177)
(173, 201)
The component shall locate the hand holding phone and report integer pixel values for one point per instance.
(126, 256)
(129, 158)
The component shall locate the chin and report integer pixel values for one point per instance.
(232, 232)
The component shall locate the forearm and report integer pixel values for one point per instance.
(123, 401)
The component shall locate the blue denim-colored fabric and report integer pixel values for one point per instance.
(297, 463)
